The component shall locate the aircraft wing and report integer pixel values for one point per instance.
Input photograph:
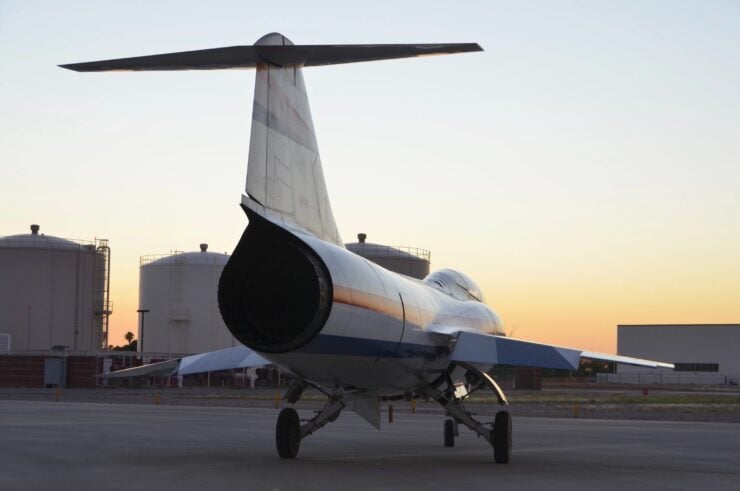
(474, 347)
(237, 357)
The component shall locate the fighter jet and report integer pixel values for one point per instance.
(295, 296)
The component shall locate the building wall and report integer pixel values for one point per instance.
(698, 343)
(21, 371)
(28, 370)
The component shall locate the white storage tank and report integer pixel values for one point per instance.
(179, 296)
(53, 292)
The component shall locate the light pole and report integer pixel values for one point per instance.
(141, 336)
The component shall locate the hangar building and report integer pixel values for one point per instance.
(702, 353)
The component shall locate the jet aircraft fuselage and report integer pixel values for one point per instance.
(346, 322)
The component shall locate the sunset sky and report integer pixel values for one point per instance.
(584, 168)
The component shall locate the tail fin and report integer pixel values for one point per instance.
(285, 181)
(284, 174)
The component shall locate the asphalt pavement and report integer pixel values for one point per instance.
(79, 446)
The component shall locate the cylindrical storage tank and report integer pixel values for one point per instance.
(410, 261)
(180, 293)
(51, 292)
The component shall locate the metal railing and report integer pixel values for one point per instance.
(149, 258)
(376, 250)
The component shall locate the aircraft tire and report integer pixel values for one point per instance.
(449, 433)
(502, 437)
(288, 433)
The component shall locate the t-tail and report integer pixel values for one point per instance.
(285, 180)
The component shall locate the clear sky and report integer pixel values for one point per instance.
(584, 169)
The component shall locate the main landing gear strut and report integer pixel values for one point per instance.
(450, 397)
(289, 431)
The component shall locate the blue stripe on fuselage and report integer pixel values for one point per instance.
(326, 344)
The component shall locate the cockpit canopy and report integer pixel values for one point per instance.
(455, 284)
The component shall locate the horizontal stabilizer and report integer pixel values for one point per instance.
(498, 350)
(225, 359)
(278, 55)
(162, 368)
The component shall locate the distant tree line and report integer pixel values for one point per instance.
(131, 346)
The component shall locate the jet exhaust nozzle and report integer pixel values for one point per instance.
(275, 294)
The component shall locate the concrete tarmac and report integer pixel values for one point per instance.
(78, 446)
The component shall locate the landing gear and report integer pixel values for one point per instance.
(449, 433)
(451, 396)
(502, 437)
(288, 433)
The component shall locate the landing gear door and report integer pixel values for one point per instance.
(403, 320)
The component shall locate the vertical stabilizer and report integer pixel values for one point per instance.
(284, 174)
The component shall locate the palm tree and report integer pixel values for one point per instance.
(129, 337)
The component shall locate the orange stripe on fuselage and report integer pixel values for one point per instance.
(370, 301)
(392, 308)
